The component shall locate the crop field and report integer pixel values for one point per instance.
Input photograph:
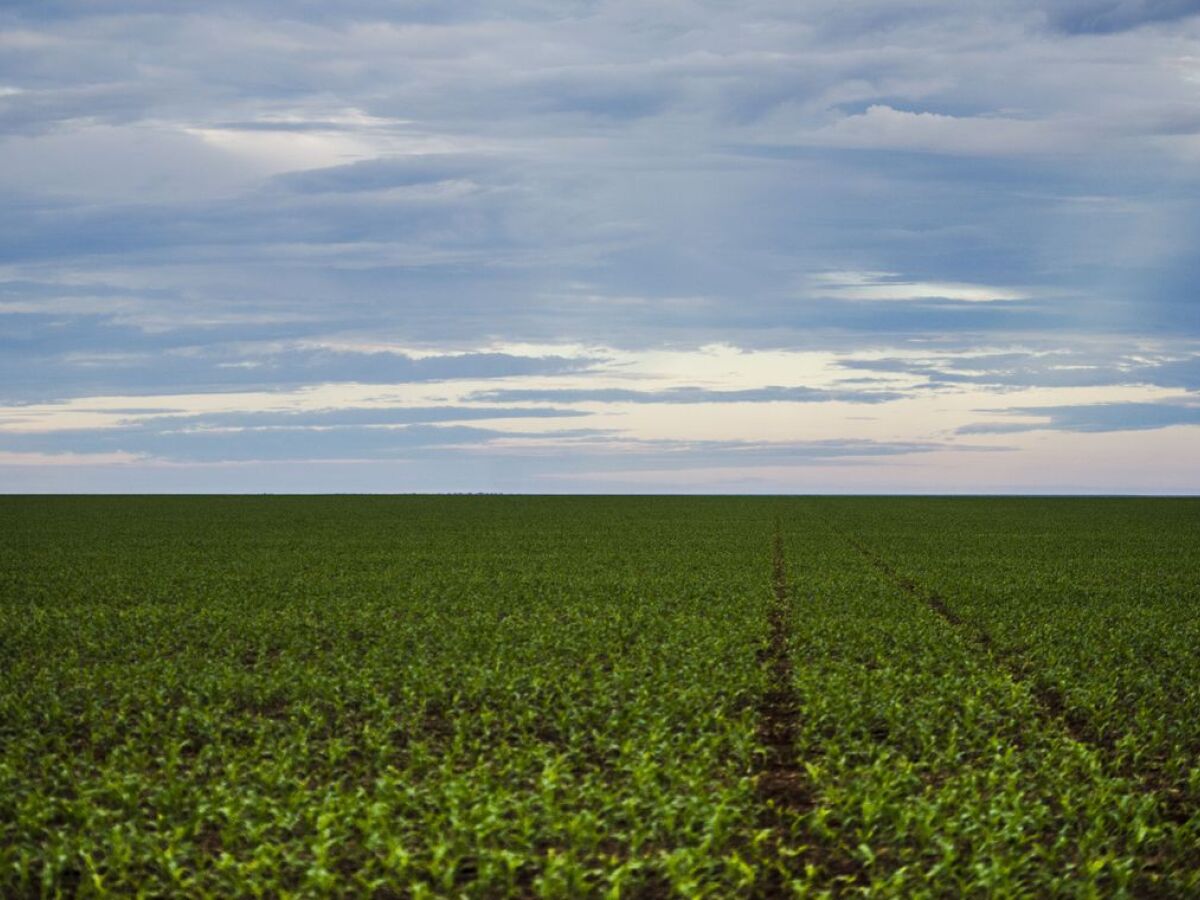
(621, 697)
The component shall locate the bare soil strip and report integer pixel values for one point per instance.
(1048, 698)
(781, 784)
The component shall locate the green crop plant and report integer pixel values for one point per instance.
(562, 697)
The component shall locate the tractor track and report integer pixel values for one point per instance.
(782, 784)
(1049, 700)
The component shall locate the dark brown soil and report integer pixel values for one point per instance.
(782, 784)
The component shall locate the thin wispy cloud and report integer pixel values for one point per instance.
(890, 286)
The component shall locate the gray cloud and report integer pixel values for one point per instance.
(250, 444)
(383, 174)
(198, 194)
(768, 394)
(670, 454)
(1056, 369)
(465, 447)
(48, 358)
(1108, 16)
(1094, 417)
(422, 435)
(354, 416)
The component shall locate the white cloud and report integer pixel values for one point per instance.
(70, 459)
(882, 127)
(883, 286)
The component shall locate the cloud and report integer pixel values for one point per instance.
(386, 173)
(767, 394)
(882, 127)
(162, 442)
(623, 455)
(1108, 16)
(412, 433)
(1043, 369)
(349, 416)
(880, 286)
(68, 459)
(1094, 417)
(48, 357)
(951, 198)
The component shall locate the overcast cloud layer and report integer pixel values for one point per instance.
(535, 246)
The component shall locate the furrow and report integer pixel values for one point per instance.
(782, 785)
(1048, 699)
(1049, 702)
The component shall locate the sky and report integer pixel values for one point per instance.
(570, 246)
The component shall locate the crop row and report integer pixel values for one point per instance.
(587, 697)
(347, 696)
(933, 769)
(1092, 601)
